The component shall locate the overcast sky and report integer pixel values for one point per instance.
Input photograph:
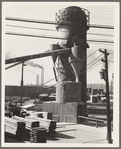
(14, 46)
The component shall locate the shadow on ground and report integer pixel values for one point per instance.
(57, 135)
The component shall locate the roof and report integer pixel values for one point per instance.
(52, 96)
(43, 95)
(27, 106)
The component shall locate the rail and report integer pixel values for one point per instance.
(93, 119)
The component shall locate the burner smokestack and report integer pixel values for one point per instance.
(37, 80)
(30, 63)
(42, 76)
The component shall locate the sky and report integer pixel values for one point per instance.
(100, 14)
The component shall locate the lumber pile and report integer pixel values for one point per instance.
(33, 131)
(45, 115)
(50, 125)
(30, 123)
(14, 128)
(38, 135)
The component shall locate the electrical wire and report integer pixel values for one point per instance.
(73, 77)
(61, 74)
(31, 28)
(55, 30)
(31, 35)
(54, 23)
(68, 70)
(111, 53)
(102, 43)
(94, 59)
(70, 109)
(94, 63)
(100, 34)
(110, 61)
(52, 37)
(80, 73)
(101, 26)
(93, 53)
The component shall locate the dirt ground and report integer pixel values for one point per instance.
(73, 133)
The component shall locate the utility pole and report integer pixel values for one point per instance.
(105, 71)
(22, 81)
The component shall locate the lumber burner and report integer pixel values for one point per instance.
(72, 23)
(70, 67)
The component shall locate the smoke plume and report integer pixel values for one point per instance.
(8, 55)
(30, 63)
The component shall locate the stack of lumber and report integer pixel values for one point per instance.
(14, 127)
(38, 135)
(50, 125)
(45, 115)
(35, 114)
(30, 123)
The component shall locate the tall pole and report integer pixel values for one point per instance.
(22, 83)
(107, 96)
(107, 101)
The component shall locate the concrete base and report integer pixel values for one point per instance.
(68, 91)
(64, 112)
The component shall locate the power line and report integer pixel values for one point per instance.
(73, 77)
(106, 41)
(84, 70)
(102, 43)
(110, 61)
(81, 72)
(94, 59)
(101, 26)
(93, 64)
(93, 53)
(54, 23)
(110, 50)
(52, 37)
(32, 28)
(30, 20)
(69, 76)
(54, 30)
(111, 53)
(100, 34)
(30, 35)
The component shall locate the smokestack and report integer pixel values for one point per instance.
(37, 80)
(42, 76)
(30, 63)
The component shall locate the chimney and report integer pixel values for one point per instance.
(37, 79)
(42, 76)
